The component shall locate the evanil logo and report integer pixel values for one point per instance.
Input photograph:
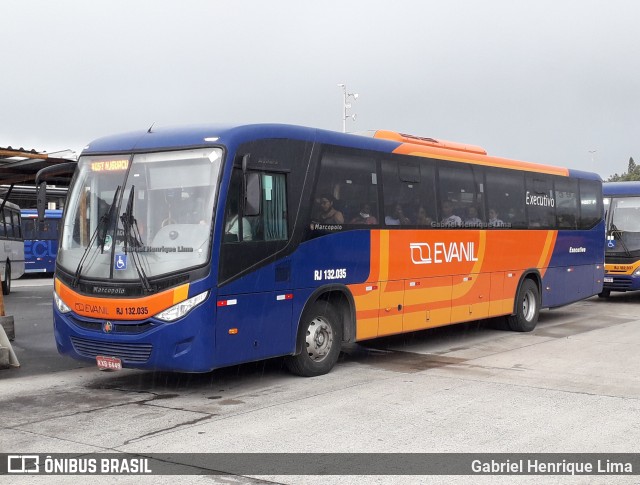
(421, 253)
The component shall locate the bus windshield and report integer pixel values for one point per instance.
(624, 225)
(140, 216)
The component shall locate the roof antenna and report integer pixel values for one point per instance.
(151, 127)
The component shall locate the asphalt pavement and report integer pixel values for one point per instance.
(570, 386)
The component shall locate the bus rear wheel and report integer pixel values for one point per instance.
(6, 284)
(320, 337)
(527, 308)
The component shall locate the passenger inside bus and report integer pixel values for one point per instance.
(422, 219)
(448, 217)
(472, 219)
(494, 221)
(397, 217)
(364, 216)
(328, 213)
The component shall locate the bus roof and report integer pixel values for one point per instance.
(621, 188)
(381, 140)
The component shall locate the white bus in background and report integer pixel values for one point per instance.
(11, 245)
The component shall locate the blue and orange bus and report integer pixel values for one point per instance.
(622, 249)
(40, 240)
(195, 248)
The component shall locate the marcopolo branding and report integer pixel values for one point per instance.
(441, 252)
(105, 290)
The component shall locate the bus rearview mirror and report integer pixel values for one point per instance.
(252, 194)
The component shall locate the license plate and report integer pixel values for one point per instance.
(112, 363)
(608, 280)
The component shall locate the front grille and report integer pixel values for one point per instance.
(126, 328)
(619, 284)
(133, 353)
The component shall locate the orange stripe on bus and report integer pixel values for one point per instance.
(488, 161)
(121, 308)
(547, 251)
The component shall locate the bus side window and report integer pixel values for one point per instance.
(590, 208)
(506, 197)
(272, 223)
(539, 199)
(461, 188)
(17, 230)
(567, 209)
(408, 190)
(349, 183)
(8, 224)
(3, 231)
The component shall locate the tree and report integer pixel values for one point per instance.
(632, 173)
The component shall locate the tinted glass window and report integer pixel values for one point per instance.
(29, 228)
(567, 208)
(347, 190)
(409, 194)
(540, 201)
(461, 195)
(15, 216)
(8, 223)
(505, 202)
(590, 207)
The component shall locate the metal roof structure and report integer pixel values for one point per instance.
(20, 166)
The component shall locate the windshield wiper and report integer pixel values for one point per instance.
(132, 237)
(617, 234)
(100, 233)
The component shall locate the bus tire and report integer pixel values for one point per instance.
(527, 308)
(604, 294)
(6, 284)
(320, 338)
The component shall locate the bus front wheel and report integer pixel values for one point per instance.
(6, 284)
(527, 308)
(320, 338)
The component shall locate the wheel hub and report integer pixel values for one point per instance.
(319, 339)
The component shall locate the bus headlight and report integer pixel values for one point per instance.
(60, 305)
(636, 272)
(182, 308)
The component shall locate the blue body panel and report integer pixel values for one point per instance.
(572, 274)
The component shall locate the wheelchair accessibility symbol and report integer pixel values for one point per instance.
(120, 262)
(611, 242)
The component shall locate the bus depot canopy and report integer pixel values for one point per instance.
(20, 166)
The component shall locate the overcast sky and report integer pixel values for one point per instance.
(549, 81)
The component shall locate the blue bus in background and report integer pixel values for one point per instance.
(40, 240)
(622, 248)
